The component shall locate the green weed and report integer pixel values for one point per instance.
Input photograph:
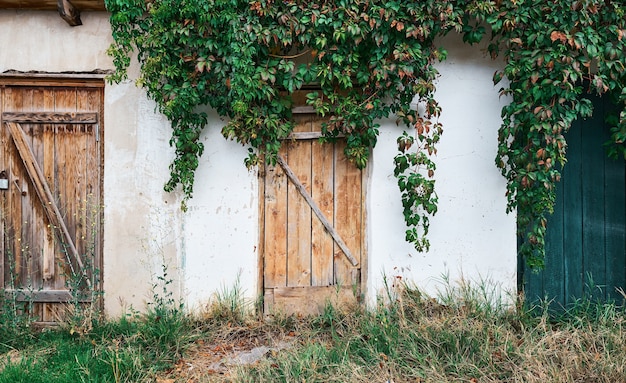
(467, 333)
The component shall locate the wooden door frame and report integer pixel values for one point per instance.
(59, 81)
(262, 170)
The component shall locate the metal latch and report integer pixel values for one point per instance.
(4, 180)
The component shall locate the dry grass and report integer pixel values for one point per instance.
(467, 334)
(460, 337)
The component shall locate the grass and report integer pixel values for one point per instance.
(465, 335)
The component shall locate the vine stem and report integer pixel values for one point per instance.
(290, 57)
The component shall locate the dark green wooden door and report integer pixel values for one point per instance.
(586, 237)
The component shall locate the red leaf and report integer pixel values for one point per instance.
(556, 35)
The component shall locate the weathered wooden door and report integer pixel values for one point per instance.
(586, 237)
(312, 231)
(50, 216)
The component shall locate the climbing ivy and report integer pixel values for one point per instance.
(558, 53)
(368, 60)
(245, 58)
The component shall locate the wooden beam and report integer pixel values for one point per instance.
(308, 136)
(50, 118)
(42, 296)
(310, 300)
(303, 110)
(52, 5)
(331, 230)
(69, 13)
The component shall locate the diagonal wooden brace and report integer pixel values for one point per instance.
(318, 212)
(43, 192)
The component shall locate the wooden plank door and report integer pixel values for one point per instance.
(312, 229)
(50, 216)
(586, 236)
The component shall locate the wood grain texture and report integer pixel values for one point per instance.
(44, 296)
(4, 208)
(593, 206)
(573, 220)
(46, 198)
(615, 228)
(275, 236)
(55, 118)
(348, 205)
(322, 243)
(299, 211)
(299, 186)
(69, 12)
(312, 300)
(320, 184)
(55, 80)
(58, 150)
(50, 5)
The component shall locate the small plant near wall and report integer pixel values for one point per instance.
(370, 60)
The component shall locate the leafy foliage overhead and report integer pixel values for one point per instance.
(558, 53)
(369, 59)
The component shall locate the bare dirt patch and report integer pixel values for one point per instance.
(213, 359)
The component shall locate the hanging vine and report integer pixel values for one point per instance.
(557, 54)
(371, 59)
(368, 59)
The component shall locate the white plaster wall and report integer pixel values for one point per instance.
(472, 239)
(43, 41)
(143, 225)
(212, 247)
(221, 224)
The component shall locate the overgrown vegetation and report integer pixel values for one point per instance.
(558, 54)
(466, 334)
(369, 60)
(86, 348)
(365, 61)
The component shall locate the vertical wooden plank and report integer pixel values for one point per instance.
(299, 211)
(33, 133)
(88, 100)
(322, 160)
(17, 177)
(275, 235)
(47, 165)
(2, 214)
(615, 208)
(261, 244)
(553, 277)
(572, 196)
(47, 235)
(3, 195)
(65, 101)
(99, 187)
(615, 227)
(347, 215)
(30, 242)
(13, 102)
(77, 196)
(361, 273)
(593, 154)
